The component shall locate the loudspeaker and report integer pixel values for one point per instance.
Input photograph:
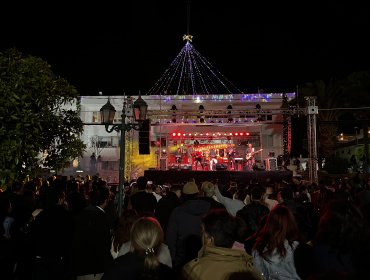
(258, 166)
(271, 164)
(220, 166)
(185, 167)
(144, 138)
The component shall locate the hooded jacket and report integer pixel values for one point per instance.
(219, 263)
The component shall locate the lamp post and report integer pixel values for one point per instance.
(356, 135)
(107, 113)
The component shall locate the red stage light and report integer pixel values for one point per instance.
(236, 134)
(179, 134)
(174, 134)
(184, 134)
(241, 133)
(247, 134)
(207, 133)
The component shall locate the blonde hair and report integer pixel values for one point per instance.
(146, 238)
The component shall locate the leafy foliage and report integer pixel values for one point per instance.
(351, 92)
(33, 117)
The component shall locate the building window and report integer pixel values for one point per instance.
(109, 165)
(96, 117)
(108, 141)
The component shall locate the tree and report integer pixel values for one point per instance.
(33, 116)
(96, 146)
(350, 92)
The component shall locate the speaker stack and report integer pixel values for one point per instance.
(220, 166)
(271, 164)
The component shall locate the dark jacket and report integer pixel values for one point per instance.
(165, 207)
(92, 242)
(143, 202)
(131, 267)
(183, 235)
(214, 204)
(302, 217)
(251, 215)
(51, 233)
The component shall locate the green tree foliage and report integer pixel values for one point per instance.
(332, 97)
(33, 116)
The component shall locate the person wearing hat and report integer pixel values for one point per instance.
(183, 235)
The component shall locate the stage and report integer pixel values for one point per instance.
(172, 176)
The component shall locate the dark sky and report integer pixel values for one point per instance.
(117, 46)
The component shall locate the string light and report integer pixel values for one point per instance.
(192, 74)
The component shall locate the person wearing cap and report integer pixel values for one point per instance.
(183, 235)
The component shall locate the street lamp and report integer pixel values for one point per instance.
(107, 113)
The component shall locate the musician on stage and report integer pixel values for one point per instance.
(212, 159)
(230, 157)
(190, 152)
(249, 157)
(178, 156)
(198, 160)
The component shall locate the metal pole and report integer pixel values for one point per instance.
(122, 160)
(312, 111)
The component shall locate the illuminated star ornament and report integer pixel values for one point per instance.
(188, 37)
(192, 74)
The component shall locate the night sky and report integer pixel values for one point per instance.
(125, 46)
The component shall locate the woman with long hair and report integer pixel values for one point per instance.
(121, 235)
(276, 242)
(142, 261)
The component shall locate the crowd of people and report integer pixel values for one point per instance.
(69, 228)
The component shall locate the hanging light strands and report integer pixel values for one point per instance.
(190, 73)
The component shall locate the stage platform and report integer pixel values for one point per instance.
(223, 176)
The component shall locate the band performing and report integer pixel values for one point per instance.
(215, 157)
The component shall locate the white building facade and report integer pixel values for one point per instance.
(214, 121)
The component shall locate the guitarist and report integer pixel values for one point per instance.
(249, 157)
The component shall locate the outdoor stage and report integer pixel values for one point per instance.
(223, 176)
